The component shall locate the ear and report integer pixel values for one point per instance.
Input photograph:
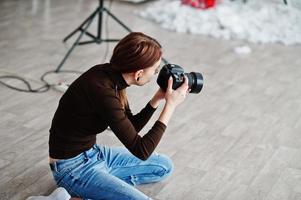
(138, 74)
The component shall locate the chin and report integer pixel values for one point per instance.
(144, 83)
(139, 84)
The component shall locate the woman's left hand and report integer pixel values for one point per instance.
(160, 94)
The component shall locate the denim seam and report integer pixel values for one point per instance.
(135, 178)
(137, 166)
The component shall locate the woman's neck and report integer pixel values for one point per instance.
(128, 78)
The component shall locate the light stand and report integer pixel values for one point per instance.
(84, 27)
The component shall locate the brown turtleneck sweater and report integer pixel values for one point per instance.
(89, 106)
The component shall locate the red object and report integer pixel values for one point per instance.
(202, 4)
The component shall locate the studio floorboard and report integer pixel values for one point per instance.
(239, 139)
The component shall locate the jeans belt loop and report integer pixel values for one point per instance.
(95, 146)
(53, 166)
(86, 155)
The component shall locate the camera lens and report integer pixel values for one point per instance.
(195, 82)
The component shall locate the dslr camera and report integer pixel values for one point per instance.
(195, 79)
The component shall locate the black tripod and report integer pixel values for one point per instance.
(84, 27)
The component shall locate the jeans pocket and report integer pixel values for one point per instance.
(60, 175)
(67, 184)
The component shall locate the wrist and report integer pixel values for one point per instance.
(170, 105)
(154, 102)
(166, 113)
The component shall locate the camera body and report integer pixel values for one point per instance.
(195, 79)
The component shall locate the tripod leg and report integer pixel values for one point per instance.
(82, 24)
(76, 42)
(117, 20)
(99, 28)
(164, 61)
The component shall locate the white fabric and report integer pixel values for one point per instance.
(58, 194)
(256, 21)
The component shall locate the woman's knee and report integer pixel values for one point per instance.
(166, 163)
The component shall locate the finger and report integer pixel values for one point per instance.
(184, 86)
(169, 86)
(186, 80)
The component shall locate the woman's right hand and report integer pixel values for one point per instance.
(175, 97)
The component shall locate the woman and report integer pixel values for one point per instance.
(96, 101)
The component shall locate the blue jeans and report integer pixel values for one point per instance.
(109, 173)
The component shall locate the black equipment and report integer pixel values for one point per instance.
(195, 79)
(84, 27)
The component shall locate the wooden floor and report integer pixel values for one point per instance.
(239, 139)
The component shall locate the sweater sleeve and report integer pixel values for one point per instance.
(140, 119)
(109, 107)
